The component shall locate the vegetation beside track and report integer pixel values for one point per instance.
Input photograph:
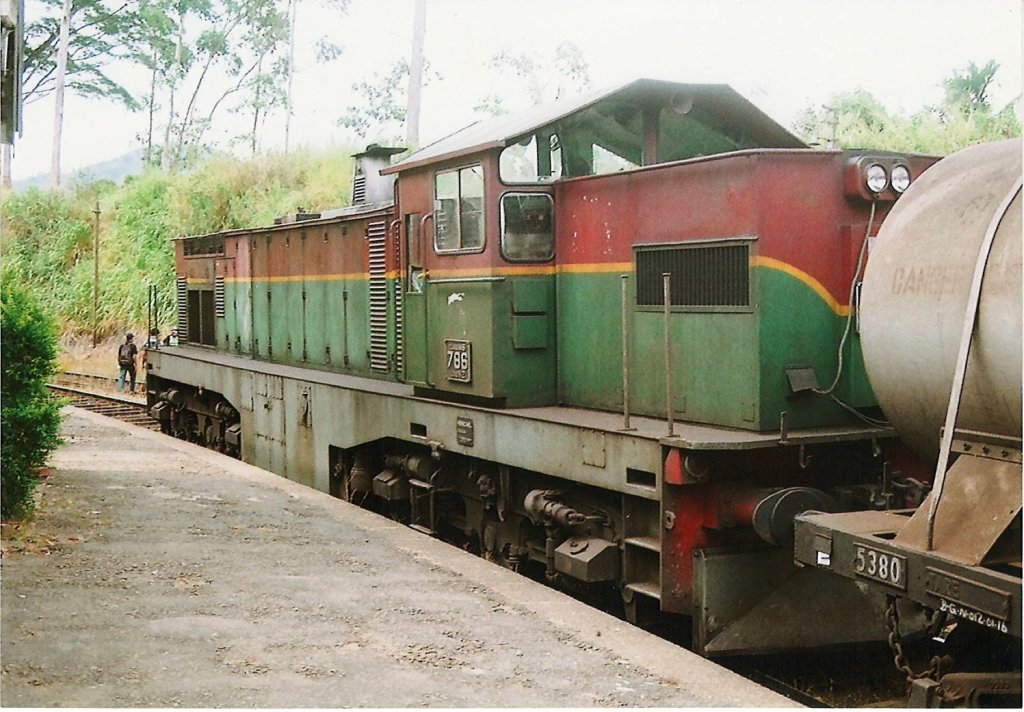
(48, 236)
(30, 418)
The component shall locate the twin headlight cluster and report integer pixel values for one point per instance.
(877, 177)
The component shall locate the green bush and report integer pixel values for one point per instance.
(30, 418)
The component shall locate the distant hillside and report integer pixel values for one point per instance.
(115, 169)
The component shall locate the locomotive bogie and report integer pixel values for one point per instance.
(196, 415)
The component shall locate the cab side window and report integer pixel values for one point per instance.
(527, 227)
(459, 210)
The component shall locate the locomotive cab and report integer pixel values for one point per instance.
(479, 222)
(479, 291)
(536, 246)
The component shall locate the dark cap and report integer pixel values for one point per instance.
(130, 335)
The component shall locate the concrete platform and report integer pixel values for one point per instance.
(159, 574)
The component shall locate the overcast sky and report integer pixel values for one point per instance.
(783, 55)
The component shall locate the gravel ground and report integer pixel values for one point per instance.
(158, 574)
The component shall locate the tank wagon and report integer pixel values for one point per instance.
(941, 331)
(612, 341)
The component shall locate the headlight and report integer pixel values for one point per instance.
(875, 178)
(900, 178)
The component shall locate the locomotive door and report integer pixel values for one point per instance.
(260, 296)
(414, 303)
(270, 424)
(293, 319)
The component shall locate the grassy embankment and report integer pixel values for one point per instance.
(47, 237)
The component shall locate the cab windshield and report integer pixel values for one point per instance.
(609, 137)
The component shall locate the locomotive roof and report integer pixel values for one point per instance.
(725, 103)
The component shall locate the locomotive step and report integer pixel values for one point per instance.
(651, 543)
(645, 588)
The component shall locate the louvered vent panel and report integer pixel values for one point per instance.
(398, 287)
(377, 238)
(702, 275)
(358, 188)
(208, 245)
(399, 363)
(218, 296)
(182, 307)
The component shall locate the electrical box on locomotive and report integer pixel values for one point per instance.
(614, 340)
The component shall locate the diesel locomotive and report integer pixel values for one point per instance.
(614, 341)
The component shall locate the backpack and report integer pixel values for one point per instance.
(124, 356)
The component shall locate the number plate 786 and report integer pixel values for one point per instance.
(458, 360)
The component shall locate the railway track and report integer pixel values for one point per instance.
(99, 395)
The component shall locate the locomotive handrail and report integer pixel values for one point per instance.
(666, 279)
(960, 371)
(625, 353)
(463, 280)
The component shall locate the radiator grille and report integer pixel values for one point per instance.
(377, 238)
(702, 275)
(358, 188)
(182, 284)
(218, 296)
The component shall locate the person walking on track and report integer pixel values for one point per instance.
(126, 354)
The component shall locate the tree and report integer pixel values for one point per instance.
(264, 95)
(382, 111)
(326, 51)
(293, 6)
(226, 53)
(538, 79)
(967, 88)
(67, 49)
(850, 119)
(156, 51)
(99, 32)
(858, 120)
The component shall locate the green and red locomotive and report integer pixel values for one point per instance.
(613, 339)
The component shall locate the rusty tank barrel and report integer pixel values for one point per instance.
(915, 294)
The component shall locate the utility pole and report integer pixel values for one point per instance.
(96, 277)
(833, 111)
